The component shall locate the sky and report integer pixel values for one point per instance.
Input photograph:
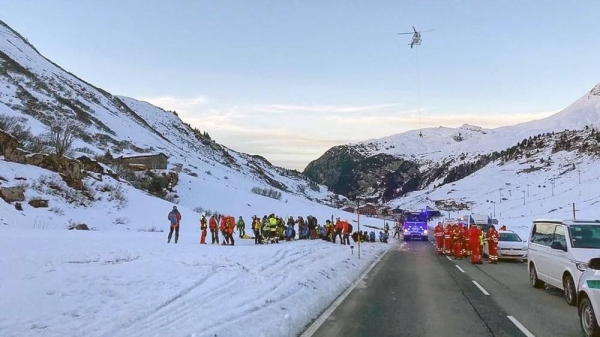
(290, 79)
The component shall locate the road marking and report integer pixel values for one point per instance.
(520, 326)
(448, 257)
(481, 288)
(459, 268)
(323, 317)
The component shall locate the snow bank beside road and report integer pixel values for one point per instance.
(73, 283)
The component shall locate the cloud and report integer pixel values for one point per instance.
(281, 108)
(177, 104)
(483, 120)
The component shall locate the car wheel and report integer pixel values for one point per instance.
(570, 292)
(533, 279)
(587, 319)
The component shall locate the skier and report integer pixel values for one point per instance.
(241, 227)
(174, 217)
(203, 227)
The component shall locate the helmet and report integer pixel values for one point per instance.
(174, 208)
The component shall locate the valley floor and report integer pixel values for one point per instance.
(73, 283)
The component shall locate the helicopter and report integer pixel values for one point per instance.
(416, 39)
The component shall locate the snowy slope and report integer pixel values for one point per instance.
(35, 88)
(438, 143)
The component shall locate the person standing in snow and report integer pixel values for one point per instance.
(214, 230)
(241, 227)
(174, 218)
(203, 226)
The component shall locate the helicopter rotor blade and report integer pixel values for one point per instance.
(425, 31)
(414, 29)
(405, 33)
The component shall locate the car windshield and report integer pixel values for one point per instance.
(416, 217)
(585, 236)
(512, 237)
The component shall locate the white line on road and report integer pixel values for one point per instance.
(520, 326)
(459, 268)
(448, 257)
(481, 288)
(323, 317)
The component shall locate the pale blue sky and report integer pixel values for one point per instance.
(289, 79)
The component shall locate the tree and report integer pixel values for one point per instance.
(61, 136)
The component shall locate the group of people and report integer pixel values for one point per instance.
(272, 229)
(460, 240)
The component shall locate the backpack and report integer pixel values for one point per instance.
(350, 228)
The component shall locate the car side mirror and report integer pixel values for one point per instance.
(594, 263)
(557, 245)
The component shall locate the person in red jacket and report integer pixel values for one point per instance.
(448, 240)
(174, 218)
(203, 226)
(474, 235)
(338, 230)
(492, 239)
(438, 232)
(214, 230)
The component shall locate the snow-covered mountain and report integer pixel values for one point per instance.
(390, 167)
(37, 92)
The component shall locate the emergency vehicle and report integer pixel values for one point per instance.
(415, 225)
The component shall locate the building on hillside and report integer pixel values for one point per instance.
(155, 161)
(384, 210)
(349, 209)
(368, 209)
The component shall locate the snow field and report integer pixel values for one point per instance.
(72, 283)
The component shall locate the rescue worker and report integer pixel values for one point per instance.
(448, 240)
(174, 218)
(492, 239)
(224, 228)
(256, 225)
(457, 238)
(241, 227)
(503, 228)
(338, 230)
(203, 226)
(214, 230)
(438, 232)
(386, 228)
(474, 234)
(466, 241)
(229, 229)
(273, 229)
(345, 233)
(481, 243)
(265, 229)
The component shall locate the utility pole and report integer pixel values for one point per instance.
(579, 173)
(358, 225)
(523, 197)
(573, 211)
(528, 190)
(500, 195)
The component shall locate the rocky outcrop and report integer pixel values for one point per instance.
(12, 194)
(8, 145)
(69, 169)
(349, 172)
(38, 203)
(91, 165)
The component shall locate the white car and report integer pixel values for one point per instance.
(511, 246)
(559, 251)
(588, 299)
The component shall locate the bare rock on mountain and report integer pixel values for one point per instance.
(12, 194)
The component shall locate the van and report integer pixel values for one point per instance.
(558, 252)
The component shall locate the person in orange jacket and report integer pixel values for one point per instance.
(466, 241)
(224, 228)
(345, 233)
(214, 230)
(338, 230)
(174, 218)
(438, 232)
(457, 239)
(492, 239)
(229, 230)
(203, 226)
(448, 240)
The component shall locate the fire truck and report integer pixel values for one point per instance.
(415, 225)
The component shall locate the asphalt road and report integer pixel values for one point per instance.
(413, 291)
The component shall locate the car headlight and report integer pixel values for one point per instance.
(406, 231)
(582, 266)
(425, 232)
